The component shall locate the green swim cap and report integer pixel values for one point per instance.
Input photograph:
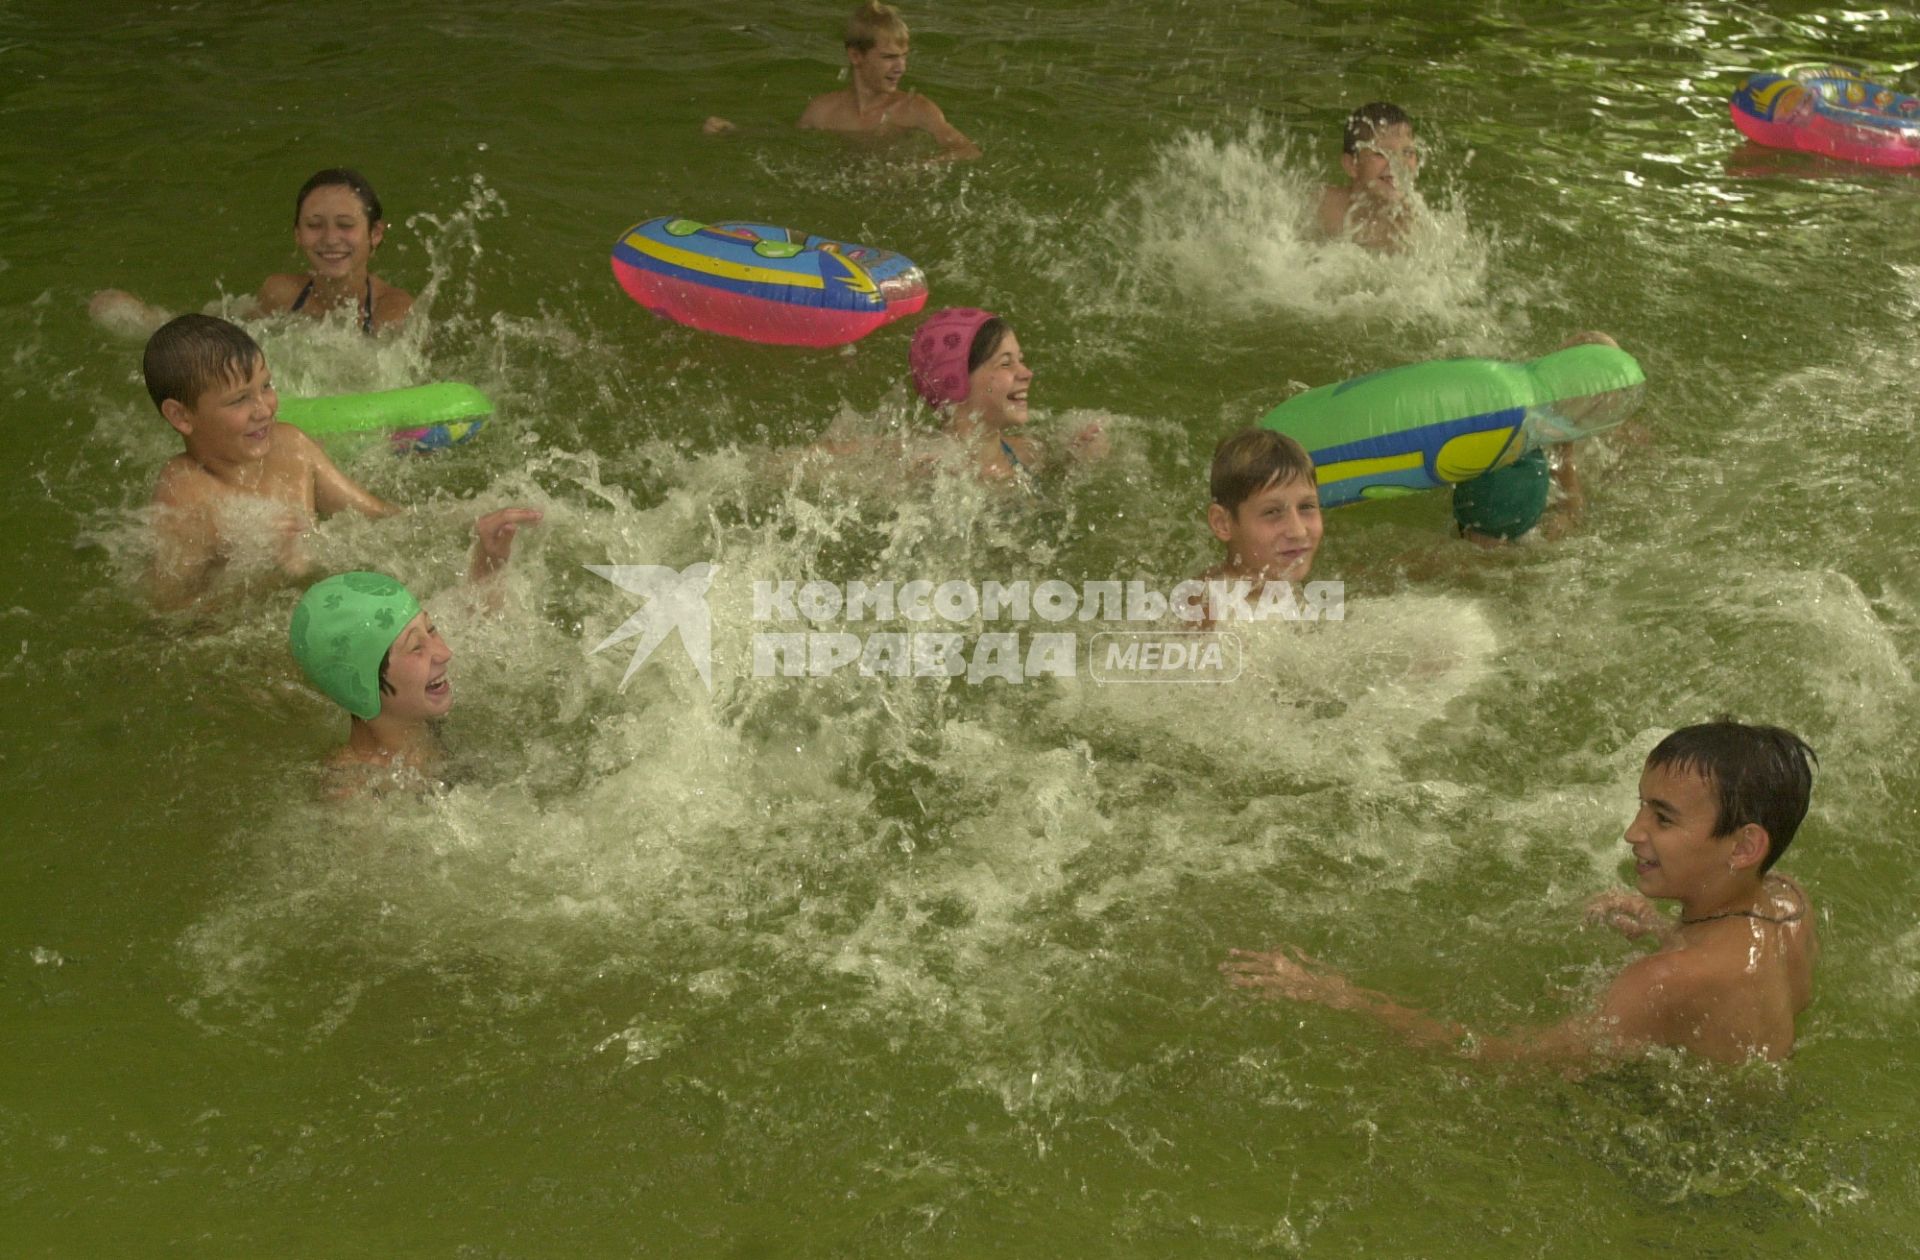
(1506, 502)
(341, 632)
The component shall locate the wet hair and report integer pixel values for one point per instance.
(1367, 122)
(1758, 774)
(345, 177)
(871, 23)
(191, 354)
(1253, 459)
(986, 339)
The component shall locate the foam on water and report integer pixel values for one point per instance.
(1228, 224)
(910, 833)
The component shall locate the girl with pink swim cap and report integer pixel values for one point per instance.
(967, 364)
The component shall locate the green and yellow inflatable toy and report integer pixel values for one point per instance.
(1428, 425)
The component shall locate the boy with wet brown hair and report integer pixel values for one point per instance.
(1719, 803)
(1378, 153)
(247, 488)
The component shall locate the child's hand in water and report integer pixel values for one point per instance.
(1287, 973)
(717, 126)
(1629, 914)
(494, 544)
(1090, 442)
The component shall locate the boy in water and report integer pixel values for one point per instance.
(1719, 804)
(245, 481)
(1265, 509)
(876, 42)
(1381, 161)
(363, 641)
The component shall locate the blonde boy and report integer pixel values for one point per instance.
(872, 103)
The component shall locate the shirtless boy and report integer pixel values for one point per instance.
(873, 103)
(1719, 804)
(1379, 156)
(245, 483)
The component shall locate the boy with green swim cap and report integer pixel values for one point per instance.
(362, 639)
(364, 642)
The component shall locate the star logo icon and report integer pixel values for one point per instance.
(675, 600)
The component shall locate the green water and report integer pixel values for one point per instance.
(841, 967)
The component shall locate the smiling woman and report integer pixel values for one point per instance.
(337, 224)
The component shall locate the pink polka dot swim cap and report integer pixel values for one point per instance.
(939, 353)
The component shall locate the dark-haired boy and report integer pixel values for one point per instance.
(1719, 803)
(872, 103)
(246, 482)
(1381, 161)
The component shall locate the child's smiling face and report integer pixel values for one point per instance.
(997, 389)
(233, 421)
(1273, 535)
(1675, 846)
(417, 673)
(333, 232)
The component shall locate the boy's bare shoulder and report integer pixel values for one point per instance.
(914, 110)
(292, 440)
(182, 483)
(830, 111)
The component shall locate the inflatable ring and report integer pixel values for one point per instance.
(762, 283)
(1833, 111)
(418, 418)
(1427, 425)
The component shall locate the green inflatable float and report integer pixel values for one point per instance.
(418, 418)
(1428, 425)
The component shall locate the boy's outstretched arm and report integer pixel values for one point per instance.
(1634, 1012)
(493, 540)
(333, 490)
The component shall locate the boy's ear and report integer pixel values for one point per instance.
(1220, 521)
(1750, 845)
(176, 414)
(376, 234)
(1350, 165)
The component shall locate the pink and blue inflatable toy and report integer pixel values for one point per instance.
(764, 283)
(1833, 111)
